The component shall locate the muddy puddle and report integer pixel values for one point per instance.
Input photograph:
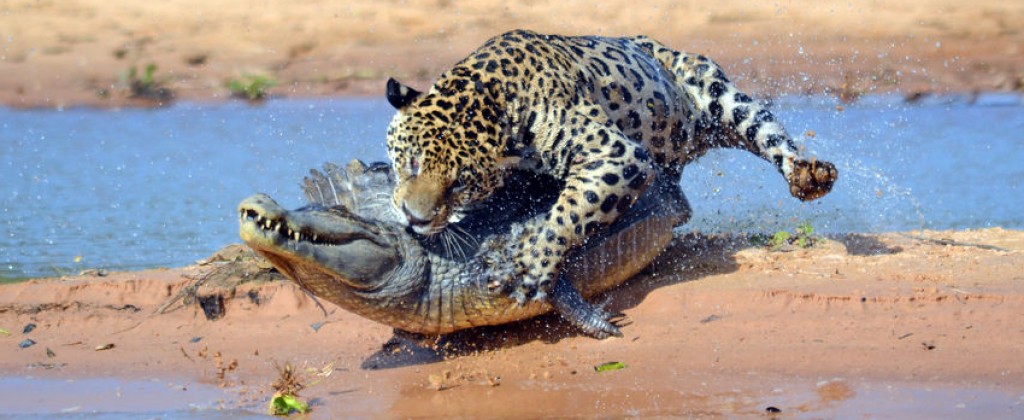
(838, 398)
(781, 398)
(111, 398)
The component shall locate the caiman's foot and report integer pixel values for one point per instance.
(593, 320)
(811, 179)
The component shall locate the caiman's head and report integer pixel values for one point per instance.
(320, 248)
(441, 144)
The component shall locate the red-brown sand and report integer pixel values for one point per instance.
(858, 325)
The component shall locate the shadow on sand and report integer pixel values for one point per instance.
(865, 245)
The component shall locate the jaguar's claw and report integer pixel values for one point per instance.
(811, 179)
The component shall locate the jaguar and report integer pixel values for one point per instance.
(603, 115)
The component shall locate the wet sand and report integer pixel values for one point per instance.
(862, 324)
(68, 53)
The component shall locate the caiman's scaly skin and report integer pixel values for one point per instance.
(350, 249)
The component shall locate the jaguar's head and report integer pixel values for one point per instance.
(436, 151)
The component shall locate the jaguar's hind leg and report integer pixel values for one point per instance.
(731, 118)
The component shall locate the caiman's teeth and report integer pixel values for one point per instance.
(296, 236)
(314, 237)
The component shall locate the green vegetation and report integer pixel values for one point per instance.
(802, 237)
(145, 85)
(284, 405)
(286, 392)
(251, 87)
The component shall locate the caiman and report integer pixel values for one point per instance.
(349, 248)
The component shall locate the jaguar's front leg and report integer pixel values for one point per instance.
(606, 173)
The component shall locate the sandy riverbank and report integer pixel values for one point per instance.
(860, 324)
(67, 53)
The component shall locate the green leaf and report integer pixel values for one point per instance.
(4, 332)
(252, 87)
(780, 238)
(148, 79)
(805, 228)
(604, 367)
(284, 405)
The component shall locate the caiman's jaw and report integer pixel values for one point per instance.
(318, 247)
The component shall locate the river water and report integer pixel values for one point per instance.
(132, 189)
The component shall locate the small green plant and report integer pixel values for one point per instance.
(251, 87)
(286, 392)
(146, 85)
(803, 237)
(285, 405)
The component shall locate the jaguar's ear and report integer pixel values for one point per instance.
(400, 95)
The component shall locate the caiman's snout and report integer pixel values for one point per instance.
(323, 249)
(259, 212)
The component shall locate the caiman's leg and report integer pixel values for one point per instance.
(734, 119)
(591, 319)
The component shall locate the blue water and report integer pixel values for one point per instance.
(131, 189)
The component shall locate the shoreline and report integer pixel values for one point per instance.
(817, 331)
(975, 97)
